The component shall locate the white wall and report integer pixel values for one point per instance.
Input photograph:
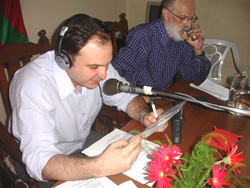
(223, 19)
(49, 14)
(228, 20)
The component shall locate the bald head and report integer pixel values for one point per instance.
(171, 4)
(180, 7)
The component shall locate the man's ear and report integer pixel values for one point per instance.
(165, 14)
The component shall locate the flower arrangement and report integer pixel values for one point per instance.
(210, 164)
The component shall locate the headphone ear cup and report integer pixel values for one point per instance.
(63, 60)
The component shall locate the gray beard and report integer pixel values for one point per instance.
(173, 31)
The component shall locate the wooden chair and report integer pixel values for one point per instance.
(13, 57)
(119, 29)
(110, 117)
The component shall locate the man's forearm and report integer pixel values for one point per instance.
(136, 106)
(117, 158)
(62, 167)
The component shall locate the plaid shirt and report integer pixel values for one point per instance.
(150, 57)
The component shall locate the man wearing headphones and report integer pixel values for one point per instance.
(56, 98)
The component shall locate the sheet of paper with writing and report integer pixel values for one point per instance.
(98, 147)
(103, 182)
(216, 90)
(138, 170)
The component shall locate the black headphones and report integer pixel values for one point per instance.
(63, 58)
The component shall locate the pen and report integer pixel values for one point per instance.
(153, 107)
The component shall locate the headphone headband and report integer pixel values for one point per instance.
(62, 58)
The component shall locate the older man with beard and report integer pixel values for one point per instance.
(156, 51)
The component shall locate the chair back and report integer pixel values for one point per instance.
(12, 58)
(119, 29)
(15, 56)
(216, 51)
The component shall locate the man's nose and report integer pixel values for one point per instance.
(188, 23)
(102, 72)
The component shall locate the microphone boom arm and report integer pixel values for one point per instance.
(221, 107)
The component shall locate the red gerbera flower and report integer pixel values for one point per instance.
(159, 172)
(232, 158)
(217, 181)
(168, 155)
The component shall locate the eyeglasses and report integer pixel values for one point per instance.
(185, 19)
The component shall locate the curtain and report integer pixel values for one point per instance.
(12, 29)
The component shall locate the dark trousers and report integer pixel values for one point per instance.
(92, 138)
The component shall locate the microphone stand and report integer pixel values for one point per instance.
(207, 104)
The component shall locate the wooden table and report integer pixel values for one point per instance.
(198, 121)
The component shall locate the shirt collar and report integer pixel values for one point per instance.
(164, 36)
(63, 82)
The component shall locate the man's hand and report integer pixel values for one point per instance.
(136, 109)
(198, 43)
(149, 119)
(119, 156)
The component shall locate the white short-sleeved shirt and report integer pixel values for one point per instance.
(49, 115)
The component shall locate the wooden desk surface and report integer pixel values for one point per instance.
(198, 121)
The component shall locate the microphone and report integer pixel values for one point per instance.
(114, 86)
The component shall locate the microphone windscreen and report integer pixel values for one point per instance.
(110, 87)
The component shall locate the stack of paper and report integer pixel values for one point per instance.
(213, 89)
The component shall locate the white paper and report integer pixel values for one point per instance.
(214, 89)
(138, 169)
(98, 147)
(103, 182)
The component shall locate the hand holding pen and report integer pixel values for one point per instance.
(153, 107)
(147, 118)
(156, 115)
